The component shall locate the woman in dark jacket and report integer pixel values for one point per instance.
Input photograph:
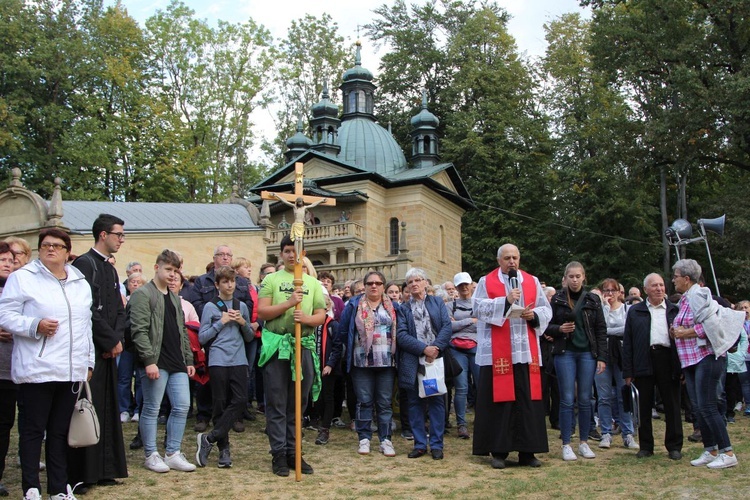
(580, 350)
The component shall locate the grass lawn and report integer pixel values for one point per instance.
(341, 473)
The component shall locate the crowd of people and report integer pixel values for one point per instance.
(516, 351)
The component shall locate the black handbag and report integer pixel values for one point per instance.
(452, 367)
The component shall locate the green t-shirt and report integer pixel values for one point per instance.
(278, 287)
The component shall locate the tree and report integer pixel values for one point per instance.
(211, 81)
(683, 65)
(492, 130)
(601, 195)
(311, 55)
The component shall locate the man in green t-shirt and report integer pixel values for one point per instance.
(276, 306)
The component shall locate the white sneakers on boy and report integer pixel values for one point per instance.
(177, 461)
(364, 447)
(155, 463)
(386, 448)
(606, 441)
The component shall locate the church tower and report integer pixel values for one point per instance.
(325, 125)
(424, 138)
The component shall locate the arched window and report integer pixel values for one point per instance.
(394, 236)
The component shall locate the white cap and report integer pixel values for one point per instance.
(461, 278)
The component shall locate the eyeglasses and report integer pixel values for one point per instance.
(55, 246)
(222, 254)
(608, 290)
(120, 235)
(374, 283)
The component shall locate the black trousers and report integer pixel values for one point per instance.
(229, 393)
(669, 388)
(8, 394)
(324, 405)
(47, 407)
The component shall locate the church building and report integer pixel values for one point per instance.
(391, 213)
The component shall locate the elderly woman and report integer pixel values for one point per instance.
(463, 346)
(703, 332)
(21, 251)
(368, 324)
(53, 352)
(580, 351)
(424, 331)
(609, 395)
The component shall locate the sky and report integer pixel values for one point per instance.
(526, 24)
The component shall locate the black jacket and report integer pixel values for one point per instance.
(204, 290)
(636, 361)
(594, 324)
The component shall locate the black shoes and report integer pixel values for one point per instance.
(437, 454)
(417, 453)
(644, 454)
(279, 465)
(675, 454)
(497, 463)
(305, 467)
(528, 460)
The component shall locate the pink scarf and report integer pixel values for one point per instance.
(366, 316)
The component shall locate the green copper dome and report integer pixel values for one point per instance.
(370, 146)
(357, 72)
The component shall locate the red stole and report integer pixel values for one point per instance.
(503, 386)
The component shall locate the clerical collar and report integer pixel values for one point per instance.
(104, 257)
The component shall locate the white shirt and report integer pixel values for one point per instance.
(492, 312)
(659, 327)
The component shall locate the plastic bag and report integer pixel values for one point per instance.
(432, 382)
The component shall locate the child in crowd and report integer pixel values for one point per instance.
(225, 327)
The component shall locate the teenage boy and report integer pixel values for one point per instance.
(225, 324)
(157, 326)
(276, 306)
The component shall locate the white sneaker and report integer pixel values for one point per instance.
(567, 453)
(364, 447)
(32, 494)
(630, 443)
(65, 496)
(606, 441)
(386, 448)
(177, 461)
(124, 417)
(585, 451)
(738, 406)
(155, 463)
(135, 418)
(723, 461)
(704, 459)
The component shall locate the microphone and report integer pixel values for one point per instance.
(513, 278)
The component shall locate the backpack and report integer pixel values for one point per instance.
(218, 302)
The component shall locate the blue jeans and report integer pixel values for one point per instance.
(575, 367)
(177, 388)
(610, 395)
(702, 380)
(435, 410)
(125, 370)
(373, 386)
(465, 358)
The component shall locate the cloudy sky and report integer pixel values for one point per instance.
(526, 24)
(528, 16)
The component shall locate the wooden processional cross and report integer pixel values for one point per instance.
(313, 200)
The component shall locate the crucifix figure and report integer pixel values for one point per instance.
(297, 202)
